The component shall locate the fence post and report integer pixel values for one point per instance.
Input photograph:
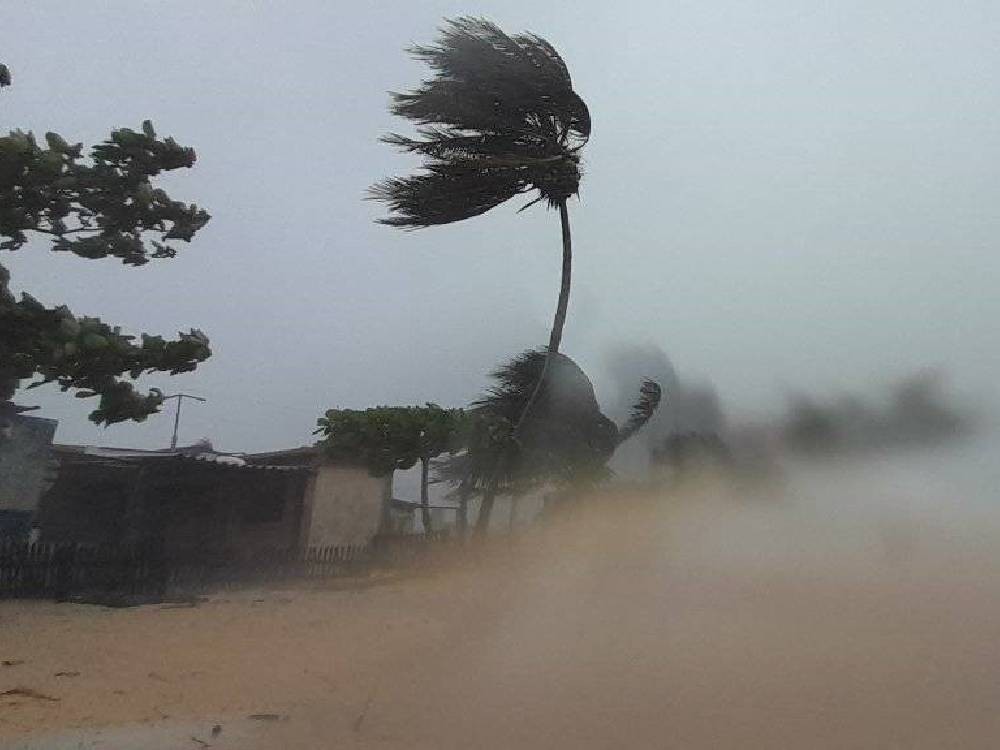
(64, 559)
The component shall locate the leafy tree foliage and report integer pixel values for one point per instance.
(104, 206)
(387, 438)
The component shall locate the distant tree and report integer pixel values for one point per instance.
(693, 406)
(918, 411)
(810, 427)
(688, 450)
(499, 118)
(387, 438)
(105, 206)
(565, 440)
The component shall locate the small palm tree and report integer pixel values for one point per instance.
(499, 118)
(565, 441)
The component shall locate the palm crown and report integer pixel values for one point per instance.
(499, 118)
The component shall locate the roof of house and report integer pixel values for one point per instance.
(192, 454)
(305, 455)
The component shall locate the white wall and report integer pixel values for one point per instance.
(344, 506)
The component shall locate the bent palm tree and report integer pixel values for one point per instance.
(565, 441)
(498, 119)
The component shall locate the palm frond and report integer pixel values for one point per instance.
(642, 411)
(500, 111)
(445, 193)
(565, 438)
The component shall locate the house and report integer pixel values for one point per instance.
(343, 505)
(196, 501)
(190, 501)
(25, 466)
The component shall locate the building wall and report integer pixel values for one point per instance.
(233, 511)
(345, 506)
(24, 461)
(281, 496)
(193, 508)
(87, 504)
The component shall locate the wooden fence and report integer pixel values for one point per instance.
(69, 571)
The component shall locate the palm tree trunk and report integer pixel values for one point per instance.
(555, 337)
(485, 510)
(512, 521)
(559, 322)
(462, 522)
(425, 502)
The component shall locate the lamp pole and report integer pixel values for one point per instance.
(177, 414)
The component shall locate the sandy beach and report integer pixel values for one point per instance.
(706, 621)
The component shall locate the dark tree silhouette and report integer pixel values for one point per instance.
(565, 440)
(106, 206)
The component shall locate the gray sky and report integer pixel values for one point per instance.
(781, 194)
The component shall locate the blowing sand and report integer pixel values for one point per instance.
(707, 620)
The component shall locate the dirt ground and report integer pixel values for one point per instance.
(706, 622)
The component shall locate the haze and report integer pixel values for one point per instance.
(780, 195)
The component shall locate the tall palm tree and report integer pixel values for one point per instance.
(499, 118)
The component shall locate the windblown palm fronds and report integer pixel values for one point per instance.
(499, 118)
(642, 410)
(564, 439)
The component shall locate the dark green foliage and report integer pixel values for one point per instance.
(369, 437)
(87, 355)
(386, 438)
(499, 118)
(98, 208)
(564, 439)
(95, 208)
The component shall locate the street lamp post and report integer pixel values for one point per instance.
(177, 414)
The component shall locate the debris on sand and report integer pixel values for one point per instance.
(11, 662)
(24, 692)
(267, 717)
(66, 674)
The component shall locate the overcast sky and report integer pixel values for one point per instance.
(781, 194)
